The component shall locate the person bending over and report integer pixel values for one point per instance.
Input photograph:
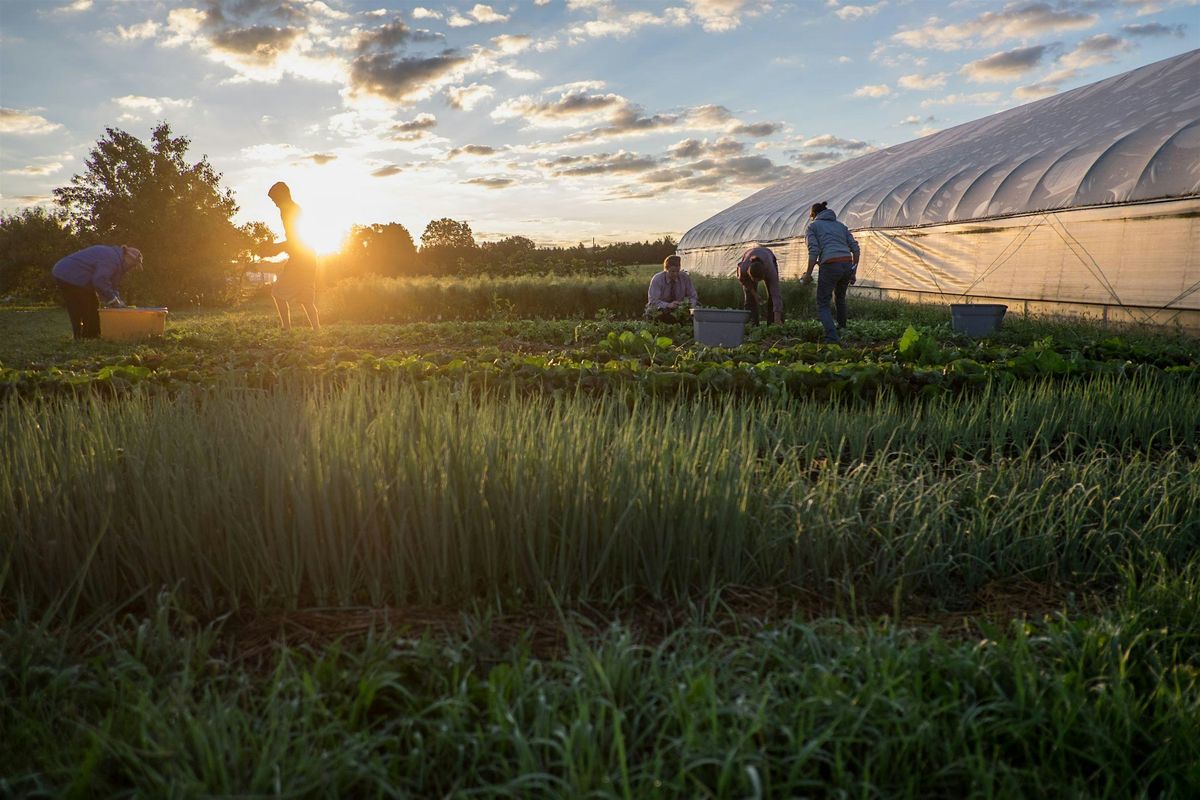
(759, 264)
(91, 276)
(671, 293)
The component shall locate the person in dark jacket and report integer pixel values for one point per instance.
(298, 283)
(759, 264)
(91, 276)
(831, 245)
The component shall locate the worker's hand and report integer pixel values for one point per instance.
(854, 277)
(807, 279)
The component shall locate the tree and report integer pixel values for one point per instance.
(378, 250)
(448, 246)
(174, 211)
(31, 241)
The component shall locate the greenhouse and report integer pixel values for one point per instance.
(1087, 202)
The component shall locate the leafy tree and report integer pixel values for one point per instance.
(176, 212)
(378, 250)
(448, 246)
(31, 241)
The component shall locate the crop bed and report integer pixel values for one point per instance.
(587, 557)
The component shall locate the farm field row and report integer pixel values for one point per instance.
(585, 557)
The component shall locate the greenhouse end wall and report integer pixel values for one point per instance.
(1126, 263)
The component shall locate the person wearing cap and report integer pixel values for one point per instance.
(759, 264)
(671, 292)
(89, 277)
(298, 283)
(831, 245)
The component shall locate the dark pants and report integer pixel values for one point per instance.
(832, 282)
(83, 308)
(769, 275)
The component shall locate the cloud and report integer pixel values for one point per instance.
(696, 148)
(144, 30)
(735, 175)
(491, 183)
(1155, 29)
(421, 122)
(976, 99)
(403, 80)
(134, 105)
(922, 82)
(482, 14)
(576, 103)
(849, 12)
(1035, 91)
(425, 13)
(413, 129)
(465, 98)
(1015, 21)
(873, 90)
(621, 162)
(756, 129)
(25, 123)
(270, 152)
(612, 21)
(1005, 66)
(478, 150)
(74, 7)
(510, 44)
(387, 172)
(37, 170)
(1093, 51)
(718, 16)
(260, 41)
(321, 159)
(829, 140)
(914, 119)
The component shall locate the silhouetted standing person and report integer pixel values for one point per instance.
(89, 276)
(298, 283)
(759, 264)
(831, 245)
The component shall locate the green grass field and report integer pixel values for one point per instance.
(538, 547)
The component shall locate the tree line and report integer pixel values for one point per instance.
(177, 212)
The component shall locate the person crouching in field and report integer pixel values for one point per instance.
(671, 293)
(831, 245)
(298, 283)
(759, 264)
(91, 276)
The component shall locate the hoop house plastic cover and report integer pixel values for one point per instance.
(1120, 142)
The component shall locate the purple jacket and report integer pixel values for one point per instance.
(100, 267)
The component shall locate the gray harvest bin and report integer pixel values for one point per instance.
(976, 319)
(719, 327)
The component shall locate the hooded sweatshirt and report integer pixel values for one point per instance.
(827, 238)
(100, 267)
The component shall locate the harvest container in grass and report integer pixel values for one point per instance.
(719, 327)
(131, 324)
(976, 319)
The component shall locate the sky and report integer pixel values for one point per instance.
(560, 120)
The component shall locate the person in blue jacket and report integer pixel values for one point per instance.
(831, 245)
(91, 276)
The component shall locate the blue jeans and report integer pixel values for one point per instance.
(832, 282)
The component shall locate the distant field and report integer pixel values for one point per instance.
(538, 547)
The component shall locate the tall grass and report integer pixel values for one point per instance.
(387, 493)
(1102, 707)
